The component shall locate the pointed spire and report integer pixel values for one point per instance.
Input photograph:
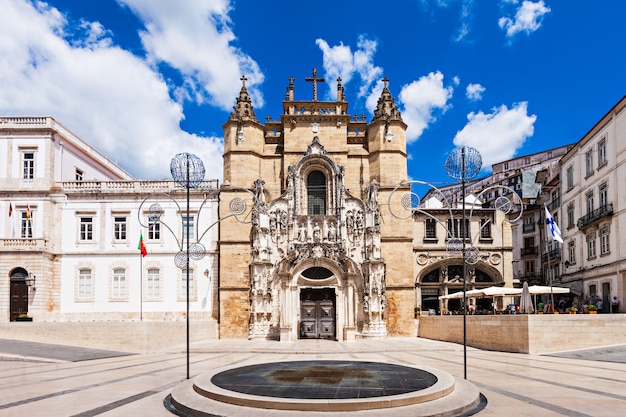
(243, 110)
(386, 107)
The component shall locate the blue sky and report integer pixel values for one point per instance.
(142, 80)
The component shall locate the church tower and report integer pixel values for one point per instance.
(308, 247)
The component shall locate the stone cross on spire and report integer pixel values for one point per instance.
(243, 80)
(315, 80)
(385, 81)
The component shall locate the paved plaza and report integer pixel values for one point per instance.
(53, 380)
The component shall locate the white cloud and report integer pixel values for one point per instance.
(474, 92)
(195, 38)
(421, 99)
(340, 61)
(116, 101)
(499, 134)
(527, 18)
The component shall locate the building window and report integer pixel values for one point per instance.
(603, 195)
(602, 152)
(506, 165)
(591, 245)
(556, 198)
(485, 228)
(456, 229)
(527, 161)
(26, 224)
(85, 284)
(79, 175)
(153, 284)
(590, 202)
(28, 165)
(529, 268)
(589, 162)
(604, 241)
(592, 290)
(188, 222)
(572, 251)
(119, 228)
(316, 193)
(570, 178)
(529, 224)
(431, 229)
(464, 230)
(154, 230)
(85, 229)
(570, 215)
(118, 284)
(529, 246)
(182, 294)
(549, 154)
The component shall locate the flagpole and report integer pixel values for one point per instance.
(548, 258)
(140, 286)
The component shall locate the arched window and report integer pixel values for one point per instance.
(316, 193)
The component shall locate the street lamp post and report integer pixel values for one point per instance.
(188, 171)
(462, 164)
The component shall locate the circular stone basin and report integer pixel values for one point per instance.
(324, 380)
(323, 385)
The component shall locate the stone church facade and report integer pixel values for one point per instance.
(325, 258)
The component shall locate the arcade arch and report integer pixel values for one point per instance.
(444, 278)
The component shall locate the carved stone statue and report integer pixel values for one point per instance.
(332, 232)
(317, 233)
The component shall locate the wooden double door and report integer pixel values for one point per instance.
(19, 298)
(317, 313)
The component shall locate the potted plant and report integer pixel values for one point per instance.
(417, 311)
(572, 310)
(592, 309)
(540, 308)
(23, 317)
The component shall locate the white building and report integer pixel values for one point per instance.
(593, 210)
(71, 231)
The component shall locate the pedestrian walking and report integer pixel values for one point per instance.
(614, 305)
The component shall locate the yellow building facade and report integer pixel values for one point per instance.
(320, 256)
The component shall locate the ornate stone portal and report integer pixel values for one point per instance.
(316, 268)
(321, 257)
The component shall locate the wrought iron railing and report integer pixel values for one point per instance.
(552, 255)
(554, 204)
(594, 216)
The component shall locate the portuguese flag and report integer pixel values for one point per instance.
(141, 246)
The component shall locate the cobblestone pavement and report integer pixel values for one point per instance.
(38, 379)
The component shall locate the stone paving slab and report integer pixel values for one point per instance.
(574, 384)
(604, 354)
(16, 349)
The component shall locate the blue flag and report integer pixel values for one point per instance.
(552, 229)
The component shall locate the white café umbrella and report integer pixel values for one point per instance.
(526, 302)
(544, 289)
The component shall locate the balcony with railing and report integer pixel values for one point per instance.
(528, 227)
(533, 278)
(23, 245)
(554, 204)
(132, 186)
(594, 216)
(554, 254)
(529, 250)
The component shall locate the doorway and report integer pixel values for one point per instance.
(317, 313)
(18, 293)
